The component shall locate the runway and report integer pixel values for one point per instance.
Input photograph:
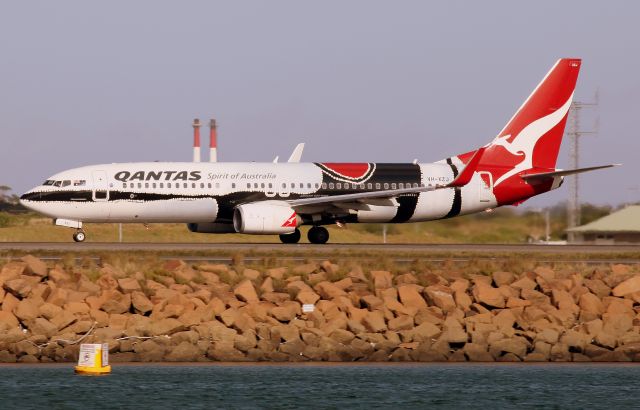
(324, 249)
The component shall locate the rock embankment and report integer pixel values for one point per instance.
(221, 313)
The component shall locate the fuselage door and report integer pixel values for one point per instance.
(100, 186)
(486, 186)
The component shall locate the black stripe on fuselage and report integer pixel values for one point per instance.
(456, 206)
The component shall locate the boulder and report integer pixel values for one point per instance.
(488, 296)
(402, 322)
(381, 279)
(426, 332)
(440, 296)
(411, 297)
(631, 285)
(597, 287)
(129, 285)
(166, 327)
(286, 333)
(26, 310)
(307, 297)
(34, 266)
(477, 352)
(328, 290)
(8, 319)
(63, 319)
(140, 302)
(183, 352)
(116, 302)
(591, 303)
(246, 292)
(524, 283)
(11, 270)
(41, 326)
(516, 345)
(374, 322)
(285, 313)
(503, 278)
(18, 287)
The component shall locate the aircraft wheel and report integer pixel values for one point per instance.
(79, 236)
(318, 234)
(293, 237)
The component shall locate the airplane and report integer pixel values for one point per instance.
(277, 198)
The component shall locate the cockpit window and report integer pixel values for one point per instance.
(48, 182)
(66, 182)
(57, 183)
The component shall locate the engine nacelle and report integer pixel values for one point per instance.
(210, 227)
(269, 217)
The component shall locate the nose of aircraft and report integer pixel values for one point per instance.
(27, 198)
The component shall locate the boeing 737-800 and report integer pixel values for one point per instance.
(277, 198)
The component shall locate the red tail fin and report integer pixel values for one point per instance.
(532, 137)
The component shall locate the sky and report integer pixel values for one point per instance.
(386, 81)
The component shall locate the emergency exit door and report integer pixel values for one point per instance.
(100, 186)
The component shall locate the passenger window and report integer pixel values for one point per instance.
(284, 185)
(415, 184)
(255, 185)
(139, 184)
(184, 185)
(301, 185)
(324, 185)
(146, 185)
(124, 184)
(270, 185)
(377, 185)
(248, 185)
(168, 184)
(369, 185)
(393, 186)
(339, 185)
(317, 185)
(386, 186)
(330, 185)
(293, 185)
(154, 185)
(209, 185)
(193, 185)
(201, 185)
(400, 185)
(308, 185)
(161, 184)
(233, 185)
(217, 185)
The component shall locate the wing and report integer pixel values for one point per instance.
(386, 197)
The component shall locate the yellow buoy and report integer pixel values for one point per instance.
(93, 359)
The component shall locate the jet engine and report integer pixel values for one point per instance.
(210, 227)
(269, 217)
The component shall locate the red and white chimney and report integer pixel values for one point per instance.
(196, 140)
(213, 141)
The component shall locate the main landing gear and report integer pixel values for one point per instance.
(79, 236)
(291, 237)
(318, 234)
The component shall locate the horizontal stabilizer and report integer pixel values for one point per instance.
(562, 173)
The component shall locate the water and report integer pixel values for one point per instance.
(208, 386)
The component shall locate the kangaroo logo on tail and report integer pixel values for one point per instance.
(523, 144)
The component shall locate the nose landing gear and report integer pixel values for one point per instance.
(291, 237)
(79, 236)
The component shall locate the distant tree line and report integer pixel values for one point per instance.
(9, 201)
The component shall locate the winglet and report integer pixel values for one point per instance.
(465, 176)
(296, 155)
